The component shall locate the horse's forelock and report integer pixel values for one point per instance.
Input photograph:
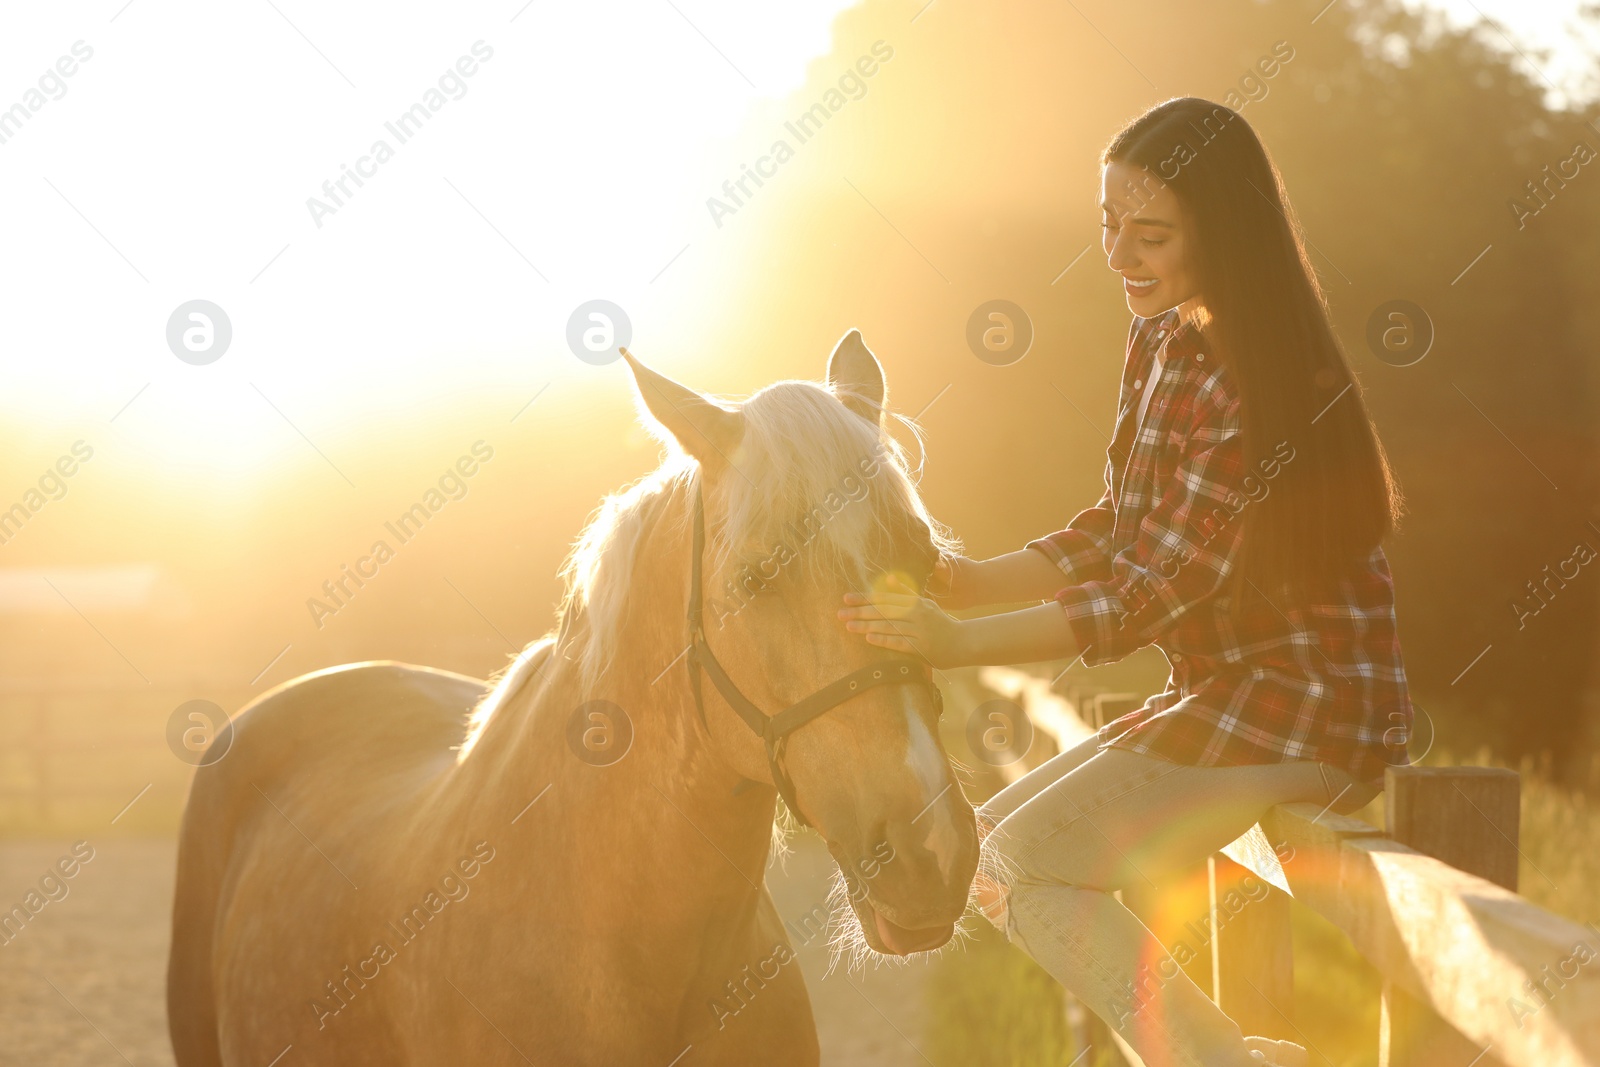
(818, 478)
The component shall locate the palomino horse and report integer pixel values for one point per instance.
(399, 865)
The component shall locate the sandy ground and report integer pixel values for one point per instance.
(83, 983)
(874, 1017)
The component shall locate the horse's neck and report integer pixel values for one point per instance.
(665, 811)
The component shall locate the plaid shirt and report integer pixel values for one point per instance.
(1297, 681)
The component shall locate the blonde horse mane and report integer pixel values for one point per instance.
(812, 480)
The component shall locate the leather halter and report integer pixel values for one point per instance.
(774, 730)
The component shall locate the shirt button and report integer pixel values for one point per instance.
(1138, 383)
(1177, 658)
(1199, 357)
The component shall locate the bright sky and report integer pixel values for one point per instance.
(176, 160)
(1532, 25)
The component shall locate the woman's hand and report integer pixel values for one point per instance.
(901, 620)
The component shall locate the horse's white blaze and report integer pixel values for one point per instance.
(922, 755)
(928, 764)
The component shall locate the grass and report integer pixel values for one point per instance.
(1559, 869)
(1335, 993)
(994, 1007)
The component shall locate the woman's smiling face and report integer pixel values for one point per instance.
(1145, 238)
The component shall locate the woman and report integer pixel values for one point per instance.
(1246, 499)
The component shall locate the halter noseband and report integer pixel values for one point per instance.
(774, 730)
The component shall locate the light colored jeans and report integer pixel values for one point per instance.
(1090, 822)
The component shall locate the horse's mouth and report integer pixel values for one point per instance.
(890, 938)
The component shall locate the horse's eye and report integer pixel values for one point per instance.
(755, 579)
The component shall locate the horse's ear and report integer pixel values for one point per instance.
(707, 432)
(856, 377)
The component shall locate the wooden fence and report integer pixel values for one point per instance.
(74, 751)
(1473, 974)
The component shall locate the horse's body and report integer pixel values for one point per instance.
(360, 760)
(373, 879)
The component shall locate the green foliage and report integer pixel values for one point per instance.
(1335, 993)
(1561, 849)
(1559, 840)
(991, 1006)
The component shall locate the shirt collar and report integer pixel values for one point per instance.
(1183, 339)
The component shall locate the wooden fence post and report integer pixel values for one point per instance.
(1467, 817)
(1252, 951)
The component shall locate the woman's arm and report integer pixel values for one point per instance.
(1077, 554)
(1025, 574)
(1029, 635)
(901, 620)
(1186, 548)
(1035, 572)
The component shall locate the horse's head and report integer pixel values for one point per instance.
(807, 497)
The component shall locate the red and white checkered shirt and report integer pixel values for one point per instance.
(1147, 564)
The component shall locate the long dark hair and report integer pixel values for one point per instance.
(1265, 318)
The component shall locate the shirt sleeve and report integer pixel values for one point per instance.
(1083, 549)
(1185, 549)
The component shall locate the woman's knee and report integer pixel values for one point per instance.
(1033, 906)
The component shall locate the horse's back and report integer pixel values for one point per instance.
(327, 755)
(382, 703)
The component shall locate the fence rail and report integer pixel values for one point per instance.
(74, 750)
(1473, 974)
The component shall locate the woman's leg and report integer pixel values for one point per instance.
(1028, 786)
(1114, 820)
(992, 875)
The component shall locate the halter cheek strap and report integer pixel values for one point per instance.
(774, 730)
